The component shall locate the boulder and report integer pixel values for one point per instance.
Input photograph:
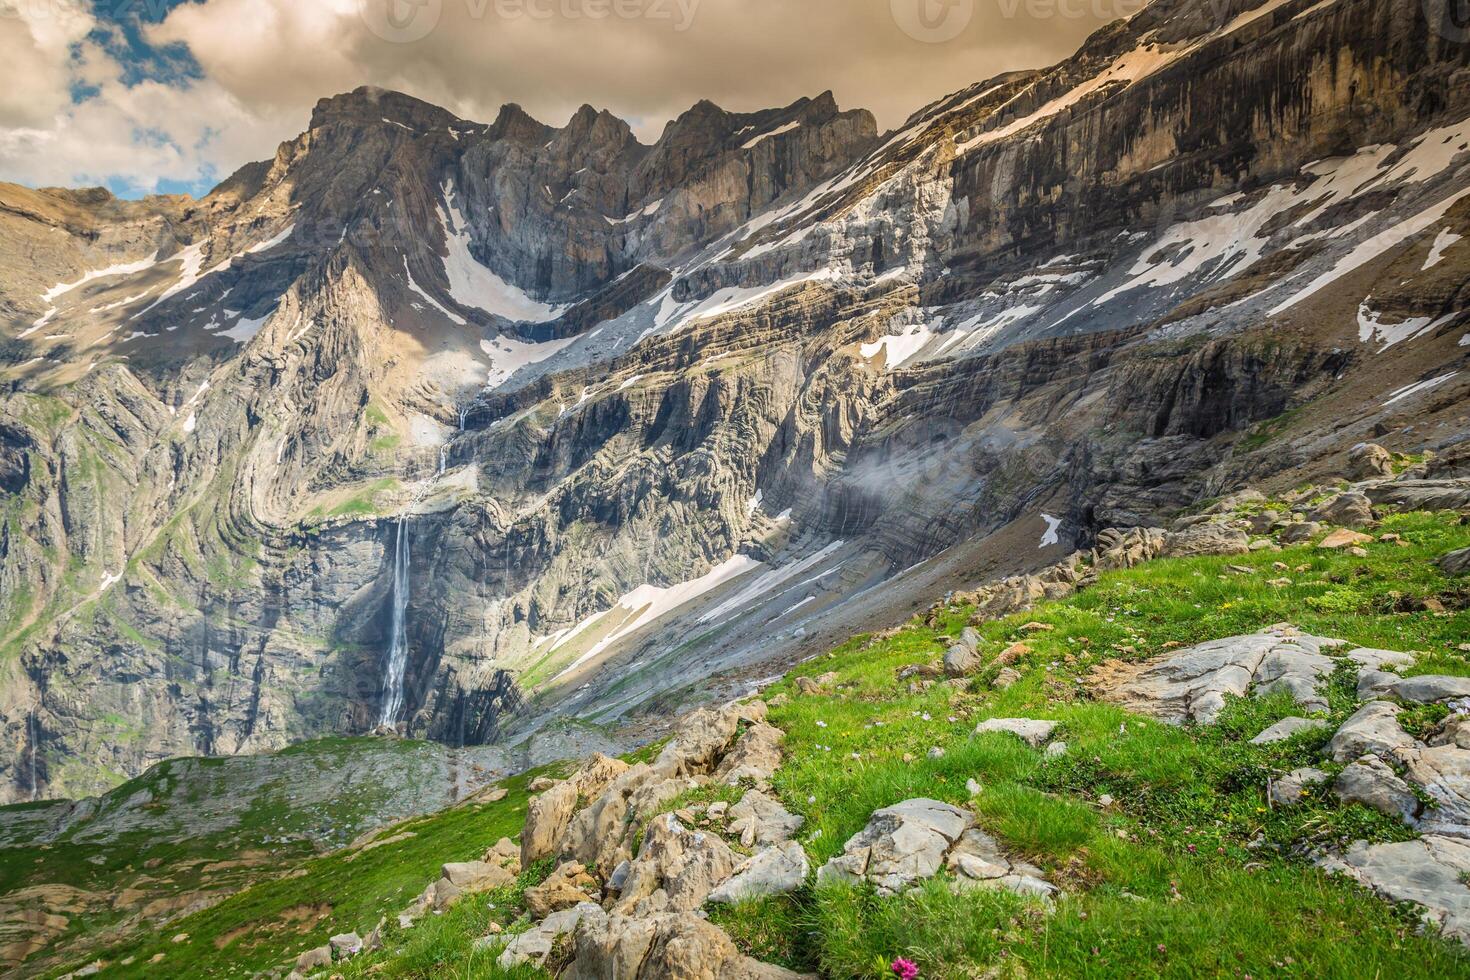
(1291, 788)
(314, 959)
(1347, 510)
(1429, 688)
(1300, 532)
(1286, 728)
(1421, 494)
(547, 818)
(1117, 548)
(760, 820)
(1033, 732)
(1369, 660)
(901, 845)
(700, 740)
(600, 836)
(1008, 677)
(755, 756)
(676, 869)
(776, 870)
(961, 661)
(1206, 539)
(506, 853)
(346, 945)
(473, 877)
(1344, 538)
(1371, 782)
(1191, 685)
(536, 944)
(1456, 562)
(1431, 872)
(1441, 773)
(550, 814)
(1455, 731)
(1369, 461)
(977, 862)
(567, 887)
(1372, 730)
(672, 946)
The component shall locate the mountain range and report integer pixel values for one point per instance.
(514, 434)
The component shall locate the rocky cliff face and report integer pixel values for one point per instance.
(551, 424)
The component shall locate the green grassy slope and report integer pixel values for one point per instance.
(1188, 873)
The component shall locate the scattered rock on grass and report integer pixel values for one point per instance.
(1431, 872)
(1371, 782)
(1351, 509)
(1191, 685)
(1286, 728)
(1290, 789)
(901, 845)
(1343, 538)
(1370, 461)
(567, 887)
(775, 870)
(660, 947)
(1033, 732)
(759, 819)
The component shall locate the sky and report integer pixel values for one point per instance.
(171, 96)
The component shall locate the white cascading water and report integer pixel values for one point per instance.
(398, 641)
(31, 737)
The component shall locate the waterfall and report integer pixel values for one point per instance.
(31, 737)
(392, 700)
(463, 414)
(398, 642)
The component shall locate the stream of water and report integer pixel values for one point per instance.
(392, 700)
(398, 639)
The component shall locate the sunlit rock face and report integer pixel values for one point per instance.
(617, 428)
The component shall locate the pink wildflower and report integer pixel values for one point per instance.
(905, 969)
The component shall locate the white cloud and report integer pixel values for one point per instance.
(266, 62)
(35, 55)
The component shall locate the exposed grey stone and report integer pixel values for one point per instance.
(1192, 684)
(1369, 461)
(1431, 872)
(1032, 731)
(1372, 730)
(1427, 688)
(672, 946)
(1300, 532)
(1289, 789)
(1371, 782)
(1350, 509)
(761, 820)
(901, 845)
(535, 944)
(675, 870)
(773, 871)
(1286, 728)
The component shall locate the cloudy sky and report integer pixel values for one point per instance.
(172, 95)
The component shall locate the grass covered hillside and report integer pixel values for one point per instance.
(1169, 856)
